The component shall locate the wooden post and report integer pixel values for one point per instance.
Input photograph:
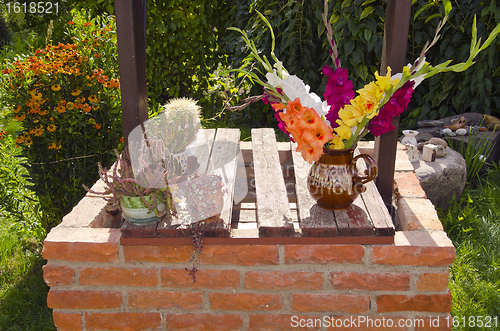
(132, 63)
(397, 23)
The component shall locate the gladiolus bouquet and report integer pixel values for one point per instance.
(343, 118)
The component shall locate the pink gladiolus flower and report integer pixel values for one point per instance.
(338, 91)
(382, 123)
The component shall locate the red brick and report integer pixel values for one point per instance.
(54, 275)
(86, 245)
(245, 301)
(284, 322)
(84, 299)
(240, 255)
(324, 254)
(429, 303)
(409, 185)
(122, 321)
(67, 322)
(413, 255)
(432, 282)
(118, 276)
(370, 281)
(164, 299)
(435, 323)
(163, 253)
(204, 322)
(205, 278)
(282, 280)
(355, 304)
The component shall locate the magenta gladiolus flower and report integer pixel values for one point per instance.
(398, 102)
(338, 92)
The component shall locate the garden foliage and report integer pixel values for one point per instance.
(358, 28)
(182, 40)
(67, 98)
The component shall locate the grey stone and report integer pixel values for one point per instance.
(438, 141)
(442, 178)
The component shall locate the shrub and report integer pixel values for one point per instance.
(67, 98)
(183, 40)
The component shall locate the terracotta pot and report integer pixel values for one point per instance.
(334, 181)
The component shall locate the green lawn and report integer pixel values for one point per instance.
(473, 225)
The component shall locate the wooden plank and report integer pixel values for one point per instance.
(273, 212)
(223, 160)
(314, 221)
(201, 147)
(380, 217)
(357, 218)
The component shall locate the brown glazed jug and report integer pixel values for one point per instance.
(334, 180)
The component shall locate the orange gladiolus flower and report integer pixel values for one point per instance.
(295, 107)
(309, 152)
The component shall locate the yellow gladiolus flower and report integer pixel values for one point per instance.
(343, 131)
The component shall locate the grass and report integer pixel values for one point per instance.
(474, 227)
(23, 292)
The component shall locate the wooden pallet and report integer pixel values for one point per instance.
(277, 207)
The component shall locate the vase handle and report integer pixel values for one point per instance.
(370, 172)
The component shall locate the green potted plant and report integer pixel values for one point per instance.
(139, 188)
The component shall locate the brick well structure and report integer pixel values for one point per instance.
(99, 284)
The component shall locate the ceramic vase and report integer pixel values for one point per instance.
(334, 181)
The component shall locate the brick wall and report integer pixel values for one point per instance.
(98, 284)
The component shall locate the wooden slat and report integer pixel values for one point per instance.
(379, 214)
(273, 212)
(224, 157)
(202, 147)
(357, 218)
(314, 221)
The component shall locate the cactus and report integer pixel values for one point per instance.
(178, 124)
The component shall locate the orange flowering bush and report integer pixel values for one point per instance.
(68, 101)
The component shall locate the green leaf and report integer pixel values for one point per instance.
(432, 17)
(367, 34)
(348, 47)
(367, 11)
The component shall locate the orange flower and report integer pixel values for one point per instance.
(56, 87)
(295, 107)
(86, 108)
(98, 126)
(61, 109)
(278, 106)
(17, 109)
(70, 105)
(76, 92)
(310, 118)
(309, 152)
(28, 141)
(51, 128)
(20, 118)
